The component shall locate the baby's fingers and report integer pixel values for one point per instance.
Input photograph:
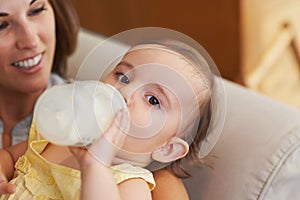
(117, 132)
(107, 146)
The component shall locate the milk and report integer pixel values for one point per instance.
(77, 113)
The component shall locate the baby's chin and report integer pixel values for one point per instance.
(135, 159)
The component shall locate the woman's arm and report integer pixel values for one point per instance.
(168, 187)
(8, 157)
(6, 172)
(17, 150)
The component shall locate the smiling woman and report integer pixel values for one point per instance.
(30, 52)
(36, 38)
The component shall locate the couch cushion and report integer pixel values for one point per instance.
(257, 153)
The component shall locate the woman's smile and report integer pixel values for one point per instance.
(30, 62)
(30, 65)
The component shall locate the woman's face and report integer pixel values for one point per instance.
(27, 43)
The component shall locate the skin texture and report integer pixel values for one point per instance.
(168, 186)
(167, 181)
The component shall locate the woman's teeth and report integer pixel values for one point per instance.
(28, 63)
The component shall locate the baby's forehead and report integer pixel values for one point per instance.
(160, 55)
(184, 84)
(158, 50)
(163, 65)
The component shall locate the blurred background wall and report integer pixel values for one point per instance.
(253, 42)
(214, 24)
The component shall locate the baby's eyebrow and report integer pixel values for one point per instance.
(126, 64)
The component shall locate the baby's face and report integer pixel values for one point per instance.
(160, 90)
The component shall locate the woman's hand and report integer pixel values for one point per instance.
(5, 187)
(7, 162)
(106, 147)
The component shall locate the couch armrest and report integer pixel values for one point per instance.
(87, 40)
(257, 155)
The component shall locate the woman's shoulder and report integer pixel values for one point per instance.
(168, 186)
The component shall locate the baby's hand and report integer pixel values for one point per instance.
(106, 147)
(5, 187)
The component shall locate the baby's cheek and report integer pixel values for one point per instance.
(140, 117)
(147, 123)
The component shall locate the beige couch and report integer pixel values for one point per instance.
(258, 153)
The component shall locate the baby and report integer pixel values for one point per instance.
(167, 86)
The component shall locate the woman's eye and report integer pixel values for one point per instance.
(153, 100)
(3, 25)
(122, 78)
(37, 10)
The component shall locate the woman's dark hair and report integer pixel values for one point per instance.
(66, 30)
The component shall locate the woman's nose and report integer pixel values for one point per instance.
(27, 37)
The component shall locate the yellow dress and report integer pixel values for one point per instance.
(37, 178)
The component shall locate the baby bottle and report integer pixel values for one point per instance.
(76, 113)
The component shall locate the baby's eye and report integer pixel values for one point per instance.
(153, 100)
(37, 10)
(122, 78)
(3, 25)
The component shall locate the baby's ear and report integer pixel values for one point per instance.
(177, 148)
